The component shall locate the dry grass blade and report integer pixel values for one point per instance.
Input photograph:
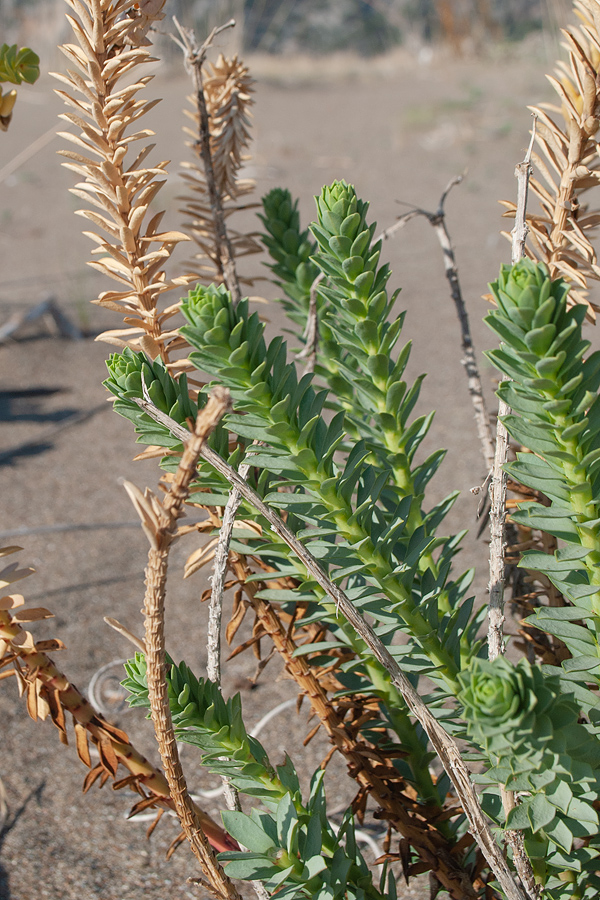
(568, 162)
(109, 49)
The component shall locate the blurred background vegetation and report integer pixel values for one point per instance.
(366, 27)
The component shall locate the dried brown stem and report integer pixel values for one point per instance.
(523, 173)
(50, 693)
(194, 60)
(445, 746)
(159, 520)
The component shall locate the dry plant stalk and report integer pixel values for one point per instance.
(220, 137)
(498, 490)
(568, 162)
(48, 692)
(110, 47)
(159, 521)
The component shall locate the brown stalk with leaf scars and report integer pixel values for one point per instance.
(159, 521)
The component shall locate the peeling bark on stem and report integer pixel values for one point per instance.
(523, 172)
(160, 522)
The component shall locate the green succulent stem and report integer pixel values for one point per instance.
(404, 727)
(202, 717)
(356, 314)
(554, 392)
(255, 390)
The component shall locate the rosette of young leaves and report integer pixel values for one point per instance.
(18, 65)
(531, 736)
(291, 249)
(134, 375)
(292, 848)
(350, 501)
(554, 393)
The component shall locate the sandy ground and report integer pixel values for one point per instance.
(399, 132)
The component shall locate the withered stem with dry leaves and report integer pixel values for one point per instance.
(194, 60)
(445, 746)
(160, 521)
(49, 692)
(110, 48)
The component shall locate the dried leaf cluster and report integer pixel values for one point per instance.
(227, 88)
(132, 250)
(567, 162)
(48, 692)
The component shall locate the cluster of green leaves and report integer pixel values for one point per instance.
(353, 489)
(529, 731)
(541, 745)
(354, 497)
(17, 65)
(292, 847)
(554, 394)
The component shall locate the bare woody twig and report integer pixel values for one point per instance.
(523, 172)
(215, 609)
(438, 221)
(221, 558)
(159, 521)
(445, 745)
(194, 60)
